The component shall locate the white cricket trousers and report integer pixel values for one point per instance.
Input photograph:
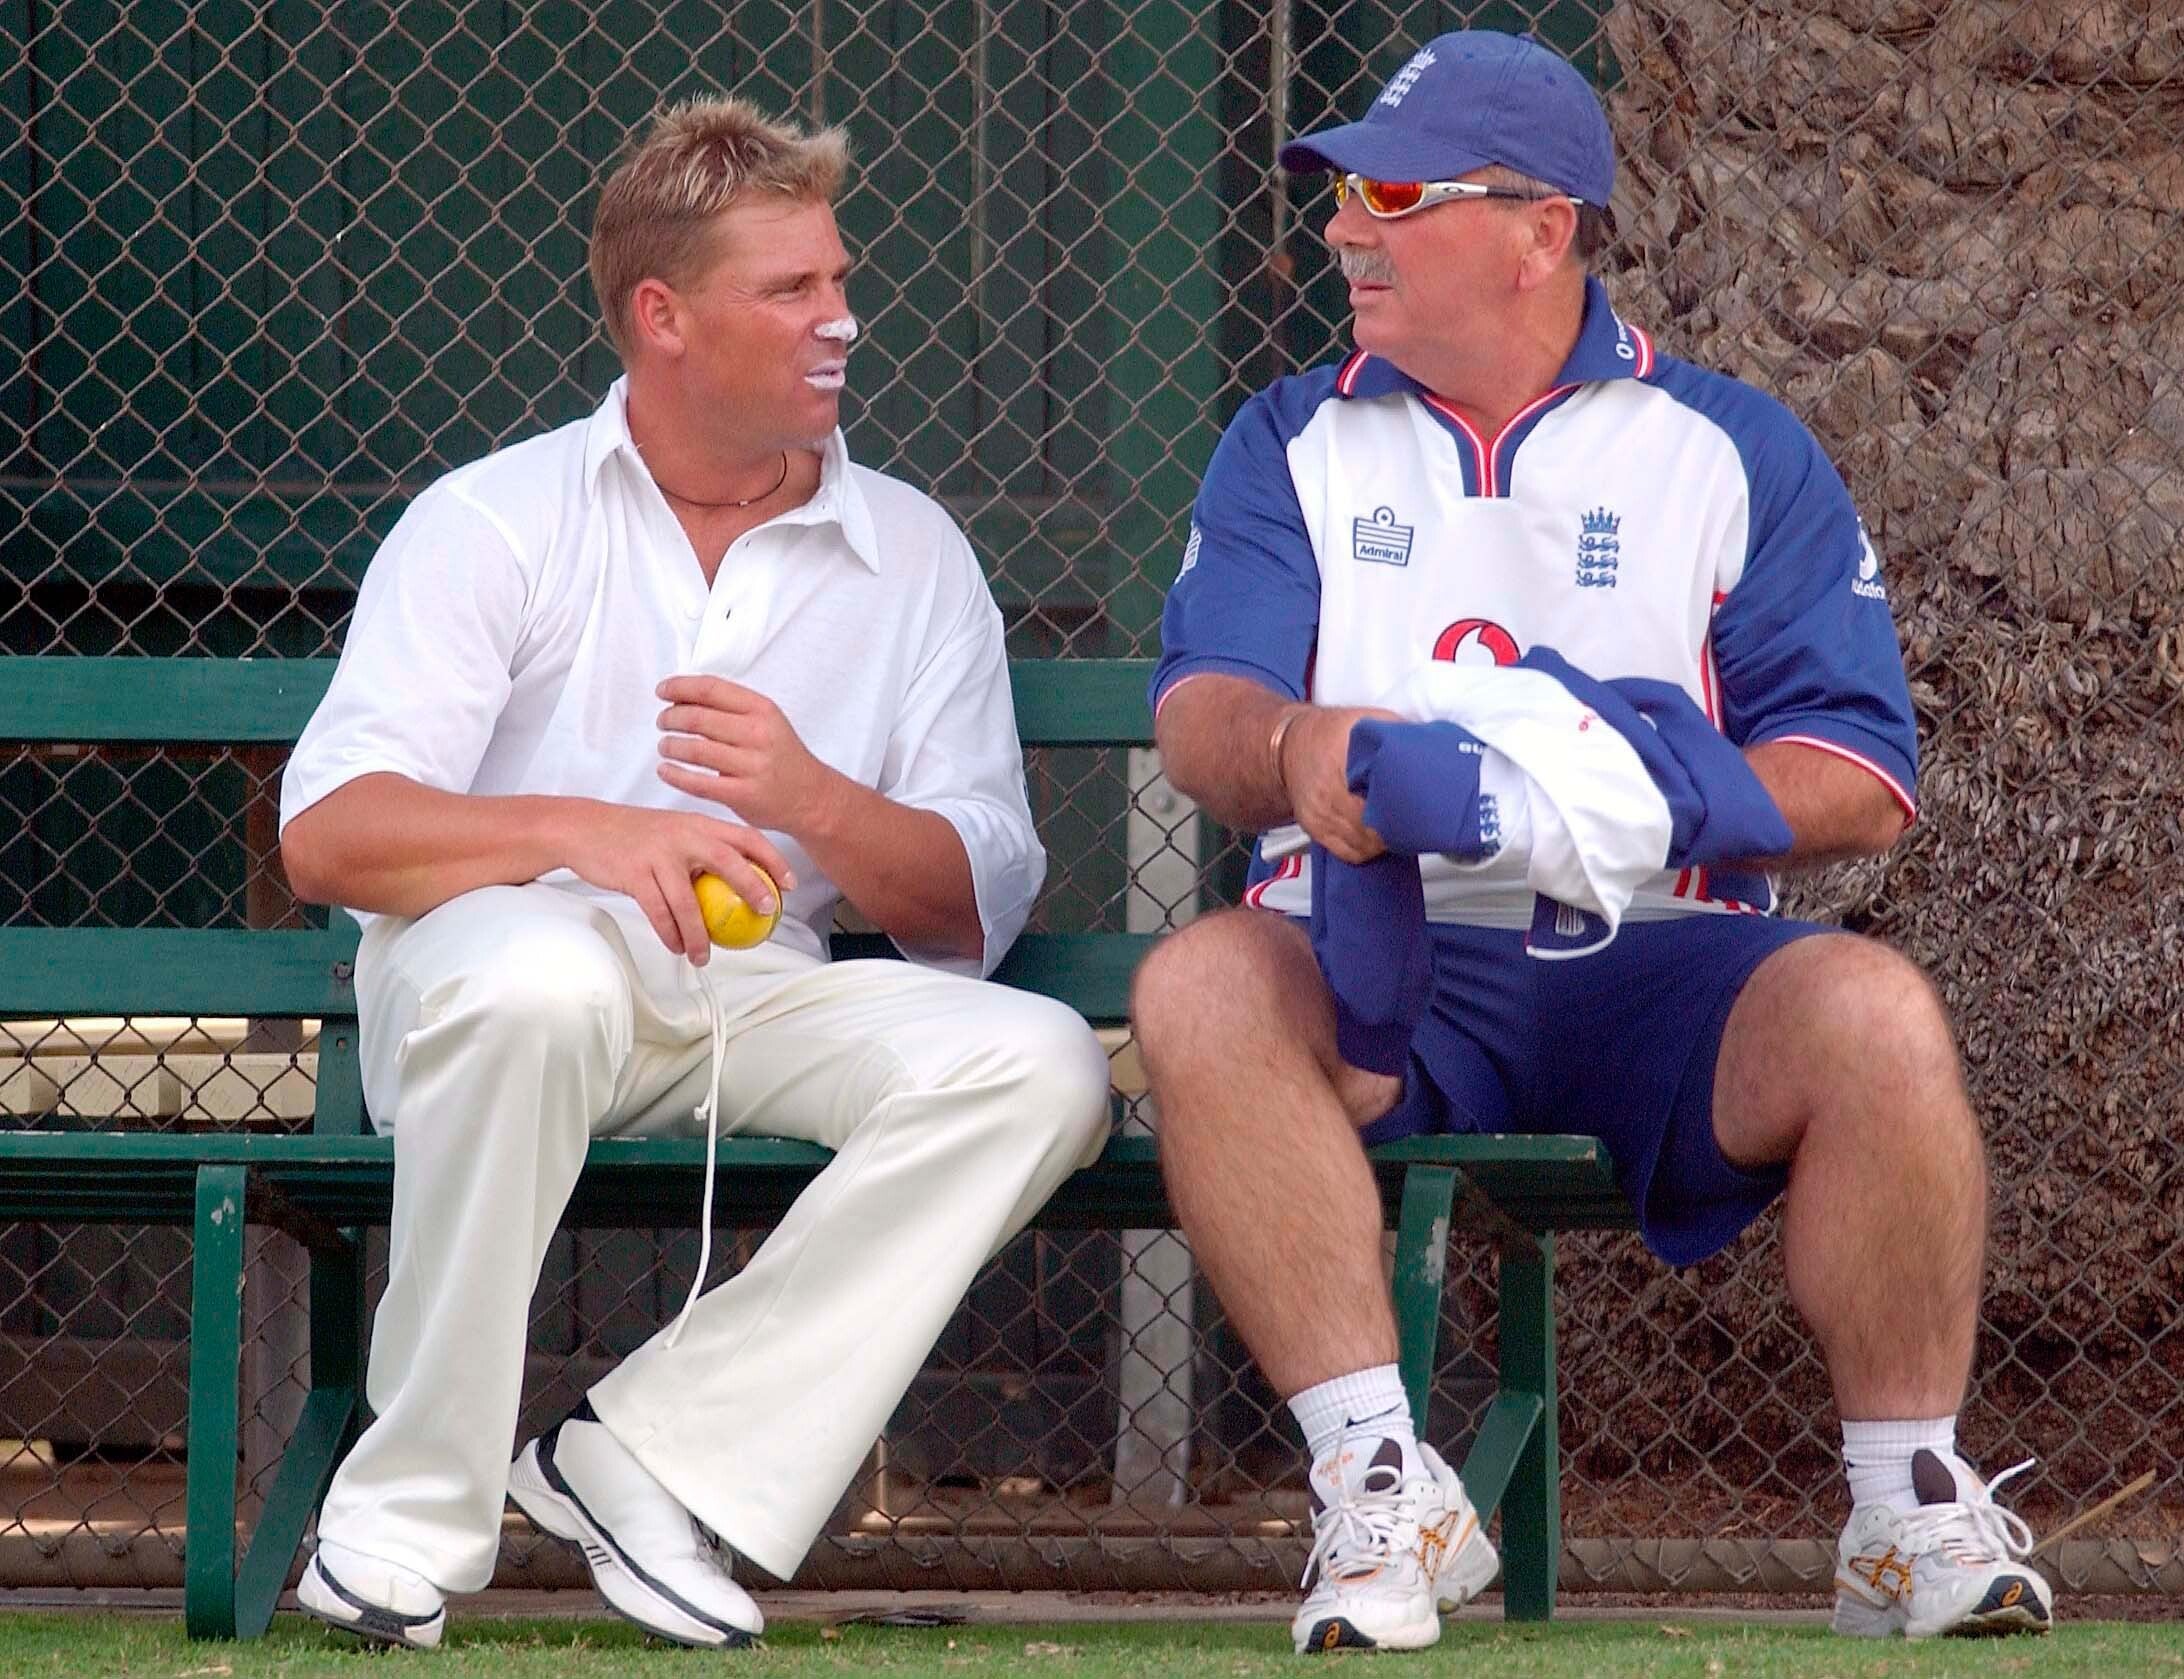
(504, 1030)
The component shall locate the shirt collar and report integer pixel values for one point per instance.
(607, 431)
(1606, 348)
(840, 502)
(837, 501)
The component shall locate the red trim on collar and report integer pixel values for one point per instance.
(1489, 474)
(1484, 475)
(1515, 420)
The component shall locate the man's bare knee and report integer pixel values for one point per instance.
(1235, 984)
(1875, 1021)
(1838, 1030)
(1245, 984)
(1233, 965)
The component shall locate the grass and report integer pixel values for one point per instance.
(79, 1646)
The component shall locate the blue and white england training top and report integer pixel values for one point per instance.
(1643, 518)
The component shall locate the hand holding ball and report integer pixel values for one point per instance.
(734, 924)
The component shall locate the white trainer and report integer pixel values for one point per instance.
(1395, 1544)
(1953, 1565)
(378, 1600)
(650, 1558)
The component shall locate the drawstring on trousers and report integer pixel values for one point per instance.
(707, 1111)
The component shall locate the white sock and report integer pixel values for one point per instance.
(1369, 1402)
(1877, 1457)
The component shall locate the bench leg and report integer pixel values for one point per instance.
(324, 1432)
(216, 1324)
(1532, 1507)
(1421, 1265)
(217, 1602)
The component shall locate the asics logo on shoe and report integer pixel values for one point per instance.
(1888, 1573)
(1436, 1544)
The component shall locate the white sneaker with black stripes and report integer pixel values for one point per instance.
(377, 1600)
(650, 1558)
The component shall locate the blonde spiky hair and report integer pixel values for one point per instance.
(658, 211)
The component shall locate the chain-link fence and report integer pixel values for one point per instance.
(266, 270)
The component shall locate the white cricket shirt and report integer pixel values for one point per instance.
(510, 633)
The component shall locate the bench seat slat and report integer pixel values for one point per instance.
(1579, 1156)
(1540, 1182)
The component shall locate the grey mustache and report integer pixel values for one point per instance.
(1370, 267)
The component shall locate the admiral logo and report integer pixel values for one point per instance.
(1490, 830)
(1190, 552)
(1400, 84)
(1380, 540)
(1599, 549)
(1868, 581)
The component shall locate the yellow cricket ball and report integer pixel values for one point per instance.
(732, 922)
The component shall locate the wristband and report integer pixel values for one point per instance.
(1274, 741)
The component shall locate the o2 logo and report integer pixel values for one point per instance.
(1476, 641)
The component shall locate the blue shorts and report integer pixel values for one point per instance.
(1619, 1045)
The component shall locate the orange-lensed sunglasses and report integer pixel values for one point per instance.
(1391, 200)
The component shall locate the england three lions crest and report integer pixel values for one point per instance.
(1599, 549)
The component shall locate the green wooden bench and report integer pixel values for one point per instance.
(324, 1185)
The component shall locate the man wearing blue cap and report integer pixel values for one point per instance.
(1504, 482)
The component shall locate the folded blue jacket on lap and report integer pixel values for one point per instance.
(1420, 784)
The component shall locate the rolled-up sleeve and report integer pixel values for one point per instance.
(424, 673)
(954, 751)
(1805, 642)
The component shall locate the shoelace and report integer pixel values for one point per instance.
(707, 1112)
(1374, 1521)
(1980, 1531)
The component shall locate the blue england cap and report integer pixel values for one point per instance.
(1469, 99)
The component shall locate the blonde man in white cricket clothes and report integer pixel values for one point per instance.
(683, 635)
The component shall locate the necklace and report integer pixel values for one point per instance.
(692, 501)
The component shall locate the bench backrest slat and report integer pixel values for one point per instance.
(304, 974)
(1059, 702)
(235, 702)
(177, 971)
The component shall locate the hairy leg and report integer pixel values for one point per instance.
(1839, 1059)
(1258, 1123)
